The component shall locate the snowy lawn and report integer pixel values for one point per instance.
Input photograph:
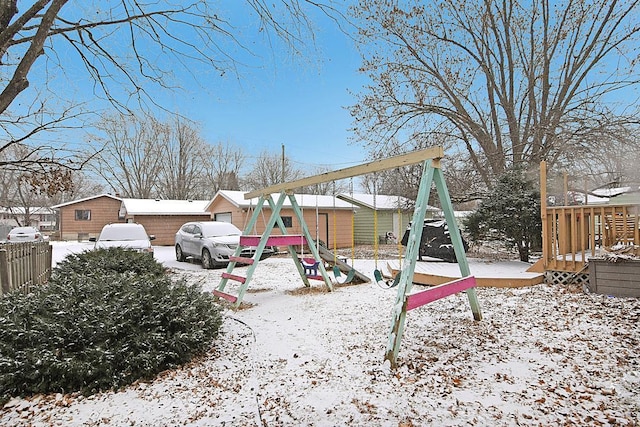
(541, 356)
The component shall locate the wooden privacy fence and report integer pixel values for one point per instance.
(575, 233)
(24, 265)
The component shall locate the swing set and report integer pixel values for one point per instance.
(405, 300)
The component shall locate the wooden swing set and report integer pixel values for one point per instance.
(405, 301)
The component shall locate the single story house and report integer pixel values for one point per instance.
(328, 218)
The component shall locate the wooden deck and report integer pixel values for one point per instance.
(573, 234)
(498, 274)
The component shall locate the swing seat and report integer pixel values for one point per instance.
(310, 266)
(349, 277)
(386, 284)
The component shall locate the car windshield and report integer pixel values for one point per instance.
(123, 233)
(215, 229)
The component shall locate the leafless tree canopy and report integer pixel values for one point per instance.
(129, 51)
(513, 82)
(141, 156)
(270, 169)
(224, 165)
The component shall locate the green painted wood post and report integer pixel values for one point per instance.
(249, 227)
(431, 174)
(456, 240)
(292, 250)
(409, 265)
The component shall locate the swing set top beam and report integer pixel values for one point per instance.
(362, 169)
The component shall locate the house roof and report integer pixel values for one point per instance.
(382, 201)
(85, 199)
(164, 207)
(33, 210)
(611, 192)
(305, 201)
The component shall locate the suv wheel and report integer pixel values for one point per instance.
(179, 254)
(207, 262)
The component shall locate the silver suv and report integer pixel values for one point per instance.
(213, 242)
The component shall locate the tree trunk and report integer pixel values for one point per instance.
(523, 250)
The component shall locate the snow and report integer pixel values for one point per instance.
(163, 207)
(542, 355)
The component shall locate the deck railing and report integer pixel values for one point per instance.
(572, 234)
(24, 265)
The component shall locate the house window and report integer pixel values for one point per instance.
(287, 221)
(83, 215)
(222, 216)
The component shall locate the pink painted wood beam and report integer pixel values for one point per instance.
(437, 292)
(226, 296)
(234, 277)
(286, 240)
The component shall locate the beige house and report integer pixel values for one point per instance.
(163, 218)
(84, 218)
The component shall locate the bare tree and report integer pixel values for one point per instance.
(23, 189)
(270, 169)
(611, 160)
(183, 163)
(83, 186)
(130, 51)
(22, 194)
(223, 165)
(516, 82)
(130, 157)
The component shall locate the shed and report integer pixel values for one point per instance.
(327, 217)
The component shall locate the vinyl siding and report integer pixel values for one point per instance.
(104, 210)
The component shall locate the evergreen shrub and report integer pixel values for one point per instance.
(101, 323)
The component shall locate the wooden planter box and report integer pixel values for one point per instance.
(620, 278)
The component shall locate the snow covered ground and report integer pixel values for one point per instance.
(542, 355)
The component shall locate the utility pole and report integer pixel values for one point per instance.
(282, 177)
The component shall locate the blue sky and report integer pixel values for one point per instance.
(300, 103)
(273, 100)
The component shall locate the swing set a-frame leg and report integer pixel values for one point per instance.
(431, 173)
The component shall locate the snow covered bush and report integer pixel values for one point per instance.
(116, 259)
(101, 323)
